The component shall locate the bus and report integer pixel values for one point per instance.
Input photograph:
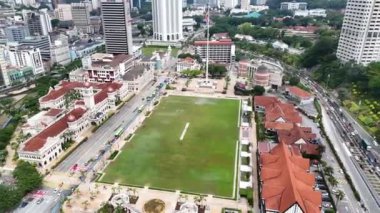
(141, 108)
(119, 131)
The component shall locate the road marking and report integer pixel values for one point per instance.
(184, 131)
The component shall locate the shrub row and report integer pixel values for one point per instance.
(248, 194)
(113, 155)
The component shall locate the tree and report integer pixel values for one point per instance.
(332, 181)
(191, 73)
(27, 176)
(85, 204)
(328, 170)
(258, 90)
(294, 80)
(54, 23)
(217, 70)
(339, 196)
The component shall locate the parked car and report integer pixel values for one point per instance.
(40, 200)
(23, 204)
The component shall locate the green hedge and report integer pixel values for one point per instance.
(113, 155)
(248, 194)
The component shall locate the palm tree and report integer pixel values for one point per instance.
(85, 204)
(183, 198)
(339, 196)
(199, 200)
(332, 181)
(68, 202)
(328, 170)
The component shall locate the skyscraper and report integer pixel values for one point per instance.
(117, 26)
(167, 20)
(244, 4)
(360, 35)
(38, 23)
(81, 16)
(229, 3)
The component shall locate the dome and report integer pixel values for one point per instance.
(71, 118)
(110, 89)
(262, 69)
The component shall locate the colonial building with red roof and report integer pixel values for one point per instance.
(299, 95)
(301, 137)
(67, 116)
(187, 63)
(278, 115)
(286, 185)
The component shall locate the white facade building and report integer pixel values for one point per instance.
(360, 35)
(63, 12)
(187, 64)
(138, 77)
(60, 53)
(167, 20)
(228, 4)
(245, 4)
(311, 13)
(48, 128)
(38, 23)
(293, 6)
(26, 56)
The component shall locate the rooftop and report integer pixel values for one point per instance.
(134, 73)
(101, 59)
(225, 41)
(286, 181)
(300, 93)
(65, 86)
(38, 141)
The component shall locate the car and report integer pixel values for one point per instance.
(40, 200)
(326, 199)
(327, 205)
(23, 204)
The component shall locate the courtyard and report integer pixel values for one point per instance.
(187, 144)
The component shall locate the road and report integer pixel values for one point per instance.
(338, 136)
(97, 141)
(344, 155)
(50, 200)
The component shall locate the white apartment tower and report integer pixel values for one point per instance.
(360, 35)
(117, 26)
(167, 20)
(229, 4)
(244, 4)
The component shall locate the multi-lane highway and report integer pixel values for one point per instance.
(344, 145)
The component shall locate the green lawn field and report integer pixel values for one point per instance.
(203, 162)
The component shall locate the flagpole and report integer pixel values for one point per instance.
(208, 36)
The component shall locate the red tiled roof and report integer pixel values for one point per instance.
(286, 182)
(289, 137)
(66, 86)
(281, 110)
(265, 101)
(278, 125)
(53, 112)
(38, 141)
(300, 93)
(311, 29)
(188, 60)
(219, 42)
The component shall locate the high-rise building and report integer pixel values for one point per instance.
(293, 6)
(360, 35)
(117, 27)
(228, 3)
(38, 23)
(16, 33)
(81, 16)
(63, 12)
(26, 56)
(41, 42)
(167, 20)
(244, 4)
